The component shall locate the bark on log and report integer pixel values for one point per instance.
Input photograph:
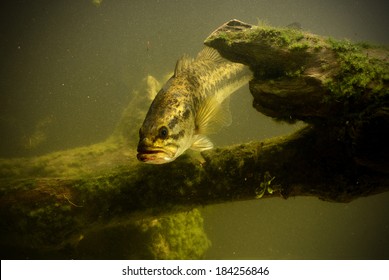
(342, 154)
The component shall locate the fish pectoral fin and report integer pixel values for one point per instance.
(201, 143)
(196, 155)
(212, 115)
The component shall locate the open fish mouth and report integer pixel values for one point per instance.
(154, 156)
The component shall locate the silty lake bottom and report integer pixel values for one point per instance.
(70, 69)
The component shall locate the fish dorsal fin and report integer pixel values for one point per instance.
(209, 54)
(201, 143)
(212, 115)
(206, 54)
(182, 65)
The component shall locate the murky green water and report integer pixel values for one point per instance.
(69, 67)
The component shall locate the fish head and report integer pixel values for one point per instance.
(156, 148)
(165, 134)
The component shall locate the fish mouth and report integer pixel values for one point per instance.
(154, 155)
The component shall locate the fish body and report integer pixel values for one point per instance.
(192, 104)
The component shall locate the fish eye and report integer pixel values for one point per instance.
(163, 132)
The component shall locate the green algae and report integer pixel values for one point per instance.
(176, 236)
(179, 236)
(359, 74)
(290, 39)
(57, 221)
(71, 163)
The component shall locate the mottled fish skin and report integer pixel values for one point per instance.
(190, 105)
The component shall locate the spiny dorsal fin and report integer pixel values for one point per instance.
(206, 54)
(182, 64)
(210, 54)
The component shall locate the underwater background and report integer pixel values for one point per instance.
(69, 69)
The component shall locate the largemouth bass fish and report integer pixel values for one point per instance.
(192, 104)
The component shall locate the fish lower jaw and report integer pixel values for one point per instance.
(154, 156)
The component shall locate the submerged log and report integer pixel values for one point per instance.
(319, 80)
(341, 154)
